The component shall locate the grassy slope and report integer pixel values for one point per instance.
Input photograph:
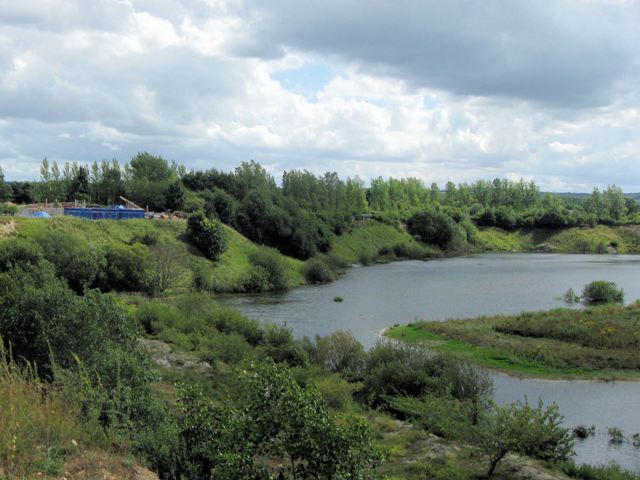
(561, 343)
(226, 273)
(366, 240)
(570, 240)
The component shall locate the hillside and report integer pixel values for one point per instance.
(599, 239)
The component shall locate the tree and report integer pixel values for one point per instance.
(79, 188)
(6, 192)
(208, 235)
(174, 197)
(520, 428)
(276, 419)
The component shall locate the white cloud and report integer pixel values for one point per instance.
(194, 81)
(559, 147)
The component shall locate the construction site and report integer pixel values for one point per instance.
(127, 210)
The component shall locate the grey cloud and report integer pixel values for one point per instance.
(566, 53)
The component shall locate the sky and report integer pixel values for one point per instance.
(545, 90)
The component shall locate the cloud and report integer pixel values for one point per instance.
(444, 91)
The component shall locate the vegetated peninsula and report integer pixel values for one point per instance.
(599, 342)
(116, 353)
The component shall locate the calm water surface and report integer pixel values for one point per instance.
(378, 296)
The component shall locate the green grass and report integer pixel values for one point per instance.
(597, 343)
(494, 239)
(224, 275)
(366, 241)
(599, 239)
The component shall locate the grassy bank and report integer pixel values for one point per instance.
(226, 275)
(595, 343)
(370, 241)
(599, 239)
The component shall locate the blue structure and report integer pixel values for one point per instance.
(114, 213)
(40, 215)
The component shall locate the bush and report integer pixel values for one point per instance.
(126, 269)
(8, 209)
(208, 235)
(599, 292)
(317, 271)
(336, 392)
(231, 348)
(432, 227)
(74, 260)
(443, 416)
(340, 352)
(271, 269)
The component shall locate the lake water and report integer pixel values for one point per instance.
(382, 295)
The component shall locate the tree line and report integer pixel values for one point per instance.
(301, 214)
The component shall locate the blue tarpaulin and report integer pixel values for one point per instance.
(40, 215)
(115, 213)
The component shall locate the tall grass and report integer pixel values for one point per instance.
(39, 429)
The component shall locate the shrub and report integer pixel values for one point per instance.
(125, 269)
(432, 227)
(336, 392)
(600, 292)
(74, 260)
(273, 265)
(231, 348)
(147, 238)
(8, 209)
(340, 352)
(208, 235)
(444, 416)
(317, 271)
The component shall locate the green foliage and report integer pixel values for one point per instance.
(8, 209)
(598, 342)
(318, 271)
(599, 292)
(340, 352)
(175, 197)
(38, 424)
(432, 227)
(76, 261)
(269, 272)
(274, 419)
(127, 269)
(207, 235)
(521, 428)
(394, 369)
(444, 416)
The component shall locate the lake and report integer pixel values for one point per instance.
(378, 296)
